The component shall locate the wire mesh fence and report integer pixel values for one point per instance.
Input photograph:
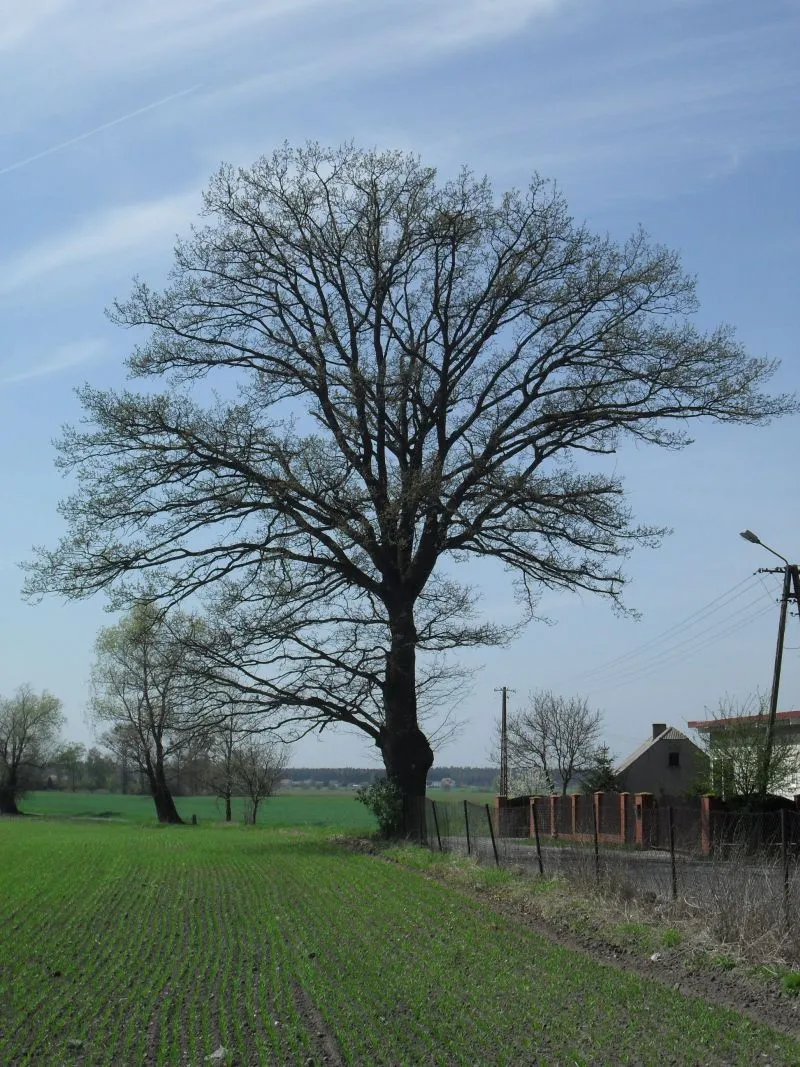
(743, 869)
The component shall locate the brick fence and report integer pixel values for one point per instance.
(640, 820)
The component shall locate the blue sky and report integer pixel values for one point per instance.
(677, 114)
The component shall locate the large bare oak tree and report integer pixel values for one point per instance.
(409, 371)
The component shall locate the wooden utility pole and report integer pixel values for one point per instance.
(503, 791)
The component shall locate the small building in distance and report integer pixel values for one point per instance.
(667, 764)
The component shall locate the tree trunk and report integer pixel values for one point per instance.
(254, 810)
(407, 755)
(162, 797)
(8, 799)
(228, 807)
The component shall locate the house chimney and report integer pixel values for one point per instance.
(658, 729)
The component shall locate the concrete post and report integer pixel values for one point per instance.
(598, 811)
(643, 803)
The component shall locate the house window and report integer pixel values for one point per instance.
(674, 759)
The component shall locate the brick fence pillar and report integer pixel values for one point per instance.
(623, 817)
(708, 805)
(554, 815)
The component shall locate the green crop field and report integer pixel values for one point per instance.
(125, 943)
(317, 808)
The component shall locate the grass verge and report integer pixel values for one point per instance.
(685, 944)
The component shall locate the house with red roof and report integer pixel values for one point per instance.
(787, 730)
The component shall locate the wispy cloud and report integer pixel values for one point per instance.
(229, 37)
(19, 22)
(97, 129)
(65, 356)
(149, 225)
(394, 35)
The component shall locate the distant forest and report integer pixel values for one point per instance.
(464, 777)
(77, 769)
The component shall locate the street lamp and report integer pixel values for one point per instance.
(754, 539)
(791, 577)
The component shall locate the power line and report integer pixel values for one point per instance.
(688, 648)
(724, 600)
(646, 670)
(741, 617)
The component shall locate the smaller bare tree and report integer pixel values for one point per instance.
(257, 768)
(29, 727)
(147, 692)
(224, 749)
(552, 738)
(72, 759)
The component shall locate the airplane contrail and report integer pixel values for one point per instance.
(98, 129)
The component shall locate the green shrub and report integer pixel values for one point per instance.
(670, 938)
(723, 962)
(384, 798)
(790, 983)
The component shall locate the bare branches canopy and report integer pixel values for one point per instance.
(407, 371)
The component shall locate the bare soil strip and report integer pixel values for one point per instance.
(326, 1047)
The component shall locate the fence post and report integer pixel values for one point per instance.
(596, 843)
(436, 824)
(597, 800)
(491, 834)
(466, 823)
(672, 853)
(535, 818)
(644, 805)
(785, 861)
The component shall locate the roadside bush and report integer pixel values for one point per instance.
(385, 800)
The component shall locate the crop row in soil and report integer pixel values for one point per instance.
(124, 944)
